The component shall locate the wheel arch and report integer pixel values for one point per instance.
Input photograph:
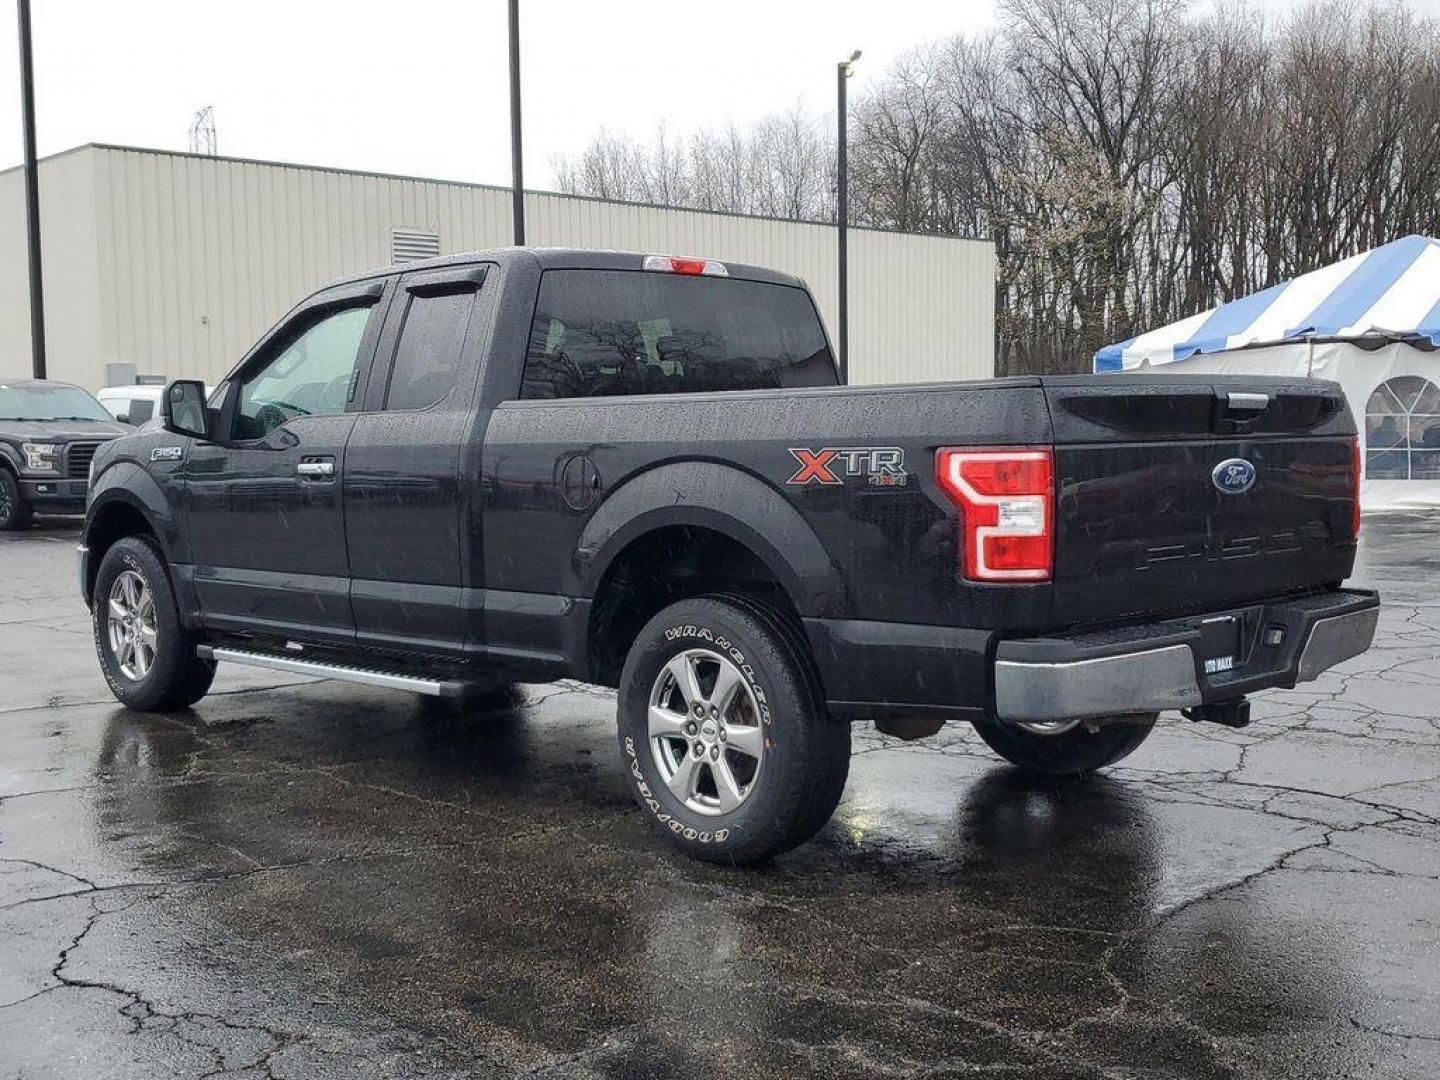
(125, 501)
(687, 529)
(725, 500)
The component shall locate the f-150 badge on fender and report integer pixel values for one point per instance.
(883, 466)
(167, 453)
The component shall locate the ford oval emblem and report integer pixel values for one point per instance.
(1233, 476)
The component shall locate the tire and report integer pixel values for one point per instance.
(172, 677)
(1082, 748)
(780, 798)
(15, 512)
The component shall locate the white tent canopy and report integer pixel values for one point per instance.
(1371, 323)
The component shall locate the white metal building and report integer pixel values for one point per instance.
(175, 263)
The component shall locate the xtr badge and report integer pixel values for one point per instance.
(882, 466)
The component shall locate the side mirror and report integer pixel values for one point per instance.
(182, 409)
(122, 418)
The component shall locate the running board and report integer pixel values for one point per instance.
(346, 672)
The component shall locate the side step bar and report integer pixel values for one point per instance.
(370, 676)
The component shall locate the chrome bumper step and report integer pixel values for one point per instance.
(345, 672)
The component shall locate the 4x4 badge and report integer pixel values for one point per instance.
(883, 466)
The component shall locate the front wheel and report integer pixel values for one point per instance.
(724, 731)
(1066, 747)
(147, 656)
(15, 512)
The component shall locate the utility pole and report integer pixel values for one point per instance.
(843, 71)
(32, 192)
(517, 169)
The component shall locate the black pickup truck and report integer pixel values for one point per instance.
(49, 432)
(638, 471)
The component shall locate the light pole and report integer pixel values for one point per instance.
(32, 192)
(843, 71)
(517, 170)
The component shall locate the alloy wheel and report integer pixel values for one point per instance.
(131, 625)
(705, 732)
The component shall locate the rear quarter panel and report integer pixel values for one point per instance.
(890, 549)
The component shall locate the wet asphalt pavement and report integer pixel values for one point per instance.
(311, 879)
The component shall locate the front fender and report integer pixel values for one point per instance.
(126, 482)
(727, 500)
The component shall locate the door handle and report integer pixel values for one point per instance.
(319, 470)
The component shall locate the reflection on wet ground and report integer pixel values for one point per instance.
(309, 879)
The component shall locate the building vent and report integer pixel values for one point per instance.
(407, 245)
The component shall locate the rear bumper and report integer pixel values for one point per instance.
(1178, 664)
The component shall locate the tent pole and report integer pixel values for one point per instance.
(1310, 359)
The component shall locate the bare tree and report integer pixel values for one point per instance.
(782, 167)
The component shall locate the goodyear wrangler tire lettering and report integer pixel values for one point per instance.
(803, 756)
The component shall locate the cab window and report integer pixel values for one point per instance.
(430, 350)
(308, 377)
(599, 333)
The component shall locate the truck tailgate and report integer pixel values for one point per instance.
(1143, 525)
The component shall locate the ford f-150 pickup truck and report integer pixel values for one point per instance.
(49, 431)
(639, 471)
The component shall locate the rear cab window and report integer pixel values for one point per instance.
(604, 333)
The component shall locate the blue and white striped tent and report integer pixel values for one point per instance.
(1393, 291)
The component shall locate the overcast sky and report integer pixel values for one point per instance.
(420, 87)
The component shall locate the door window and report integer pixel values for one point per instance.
(432, 341)
(309, 377)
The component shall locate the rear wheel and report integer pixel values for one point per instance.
(15, 512)
(725, 734)
(1066, 747)
(147, 656)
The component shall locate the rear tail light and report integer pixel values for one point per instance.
(1356, 471)
(1007, 510)
(674, 264)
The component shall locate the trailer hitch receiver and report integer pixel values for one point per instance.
(1234, 713)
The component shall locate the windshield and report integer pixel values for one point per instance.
(56, 401)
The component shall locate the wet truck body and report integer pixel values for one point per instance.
(529, 457)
